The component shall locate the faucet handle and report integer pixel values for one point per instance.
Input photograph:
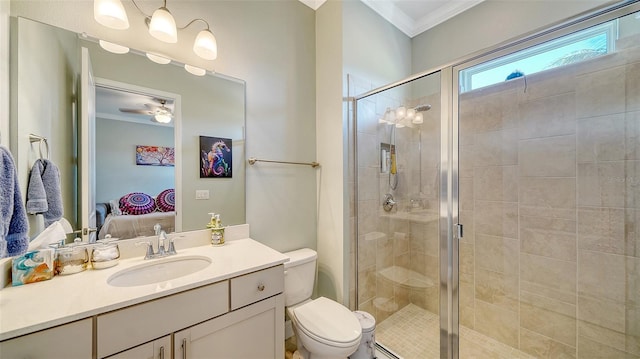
(157, 228)
(149, 253)
(172, 247)
(162, 237)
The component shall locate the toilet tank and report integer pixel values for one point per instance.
(299, 275)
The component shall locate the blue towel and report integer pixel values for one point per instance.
(44, 194)
(14, 226)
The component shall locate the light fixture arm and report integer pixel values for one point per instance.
(194, 20)
(147, 17)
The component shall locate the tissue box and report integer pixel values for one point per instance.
(33, 266)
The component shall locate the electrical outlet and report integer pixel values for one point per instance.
(202, 194)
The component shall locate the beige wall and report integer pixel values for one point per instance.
(270, 45)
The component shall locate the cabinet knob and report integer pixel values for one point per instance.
(260, 287)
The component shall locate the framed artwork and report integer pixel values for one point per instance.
(155, 156)
(215, 157)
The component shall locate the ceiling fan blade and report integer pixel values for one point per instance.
(140, 112)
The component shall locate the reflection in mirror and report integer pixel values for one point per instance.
(135, 179)
(45, 68)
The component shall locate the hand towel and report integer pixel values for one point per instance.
(14, 226)
(44, 194)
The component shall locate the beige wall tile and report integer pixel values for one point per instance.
(632, 279)
(632, 337)
(368, 150)
(543, 347)
(497, 323)
(368, 180)
(465, 160)
(366, 284)
(604, 313)
(609, 230)
(418, 263)
(384, 253)
(493, 112)
(601, 184)
(544, 302)
(466, 193)
(549, 323)
(496, 148)
(496, 183)
(549, 83)
(602, 335)
(466, 218)
(366, 252)
(500, 289)
(466, 258)
(548, 116)
(368, 219)
(497, 254)
(551, 273)
(467, 291)
(548, 196)
(549, 237)
(588, 349)
(601, 93)
(496, 219)
(608, 138)
(633, 86)
(602, 275)
(548, 157)
(466, 315)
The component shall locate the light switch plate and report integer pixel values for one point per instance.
(202, 194)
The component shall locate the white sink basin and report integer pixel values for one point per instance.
(158, 270)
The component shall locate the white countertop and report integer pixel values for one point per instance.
(63, 299)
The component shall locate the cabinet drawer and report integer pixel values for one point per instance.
(128, 327)
(256, 286)
(72, 340)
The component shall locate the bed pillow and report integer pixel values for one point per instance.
(115, 207)
(166, 200)
(137, 203)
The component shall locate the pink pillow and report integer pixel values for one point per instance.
(166, 200)
(137, 203)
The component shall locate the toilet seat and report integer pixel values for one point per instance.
(328, 322)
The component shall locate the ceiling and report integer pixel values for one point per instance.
(412, 16)
(110, 101)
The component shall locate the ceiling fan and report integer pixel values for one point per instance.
(161, 113)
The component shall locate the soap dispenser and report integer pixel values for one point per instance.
(217, 231)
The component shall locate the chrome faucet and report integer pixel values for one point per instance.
(162, 252)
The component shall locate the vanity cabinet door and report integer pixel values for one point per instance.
(255, 331)
(157, 349)
(69, 341)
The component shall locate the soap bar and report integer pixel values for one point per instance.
(33, 266)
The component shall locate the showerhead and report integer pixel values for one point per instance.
(422, 108)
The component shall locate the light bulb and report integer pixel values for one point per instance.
(110, 13)
(158, 59)
(418, 119)
(163, 27)
(411, 113)
(111, 47)
(205, 45)
(401, 112)
(195, 70)
(163, 118)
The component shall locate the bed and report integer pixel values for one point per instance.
(135, 214)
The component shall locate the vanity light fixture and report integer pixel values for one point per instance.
(158, 59)
(115, 48)
(161, 25)
(195, 70)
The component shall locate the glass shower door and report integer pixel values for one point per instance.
(397, 199)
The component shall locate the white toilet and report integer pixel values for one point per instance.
(324, 329)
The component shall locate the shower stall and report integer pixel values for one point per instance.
(496, 201)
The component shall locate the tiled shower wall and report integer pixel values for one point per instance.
(550, 199)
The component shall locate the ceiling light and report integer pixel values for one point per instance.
(110, 13)
(158, 59)
(195, 70)
(161, 24)
(115, 48)
(162, 117)
(206, 45)
(163, 27)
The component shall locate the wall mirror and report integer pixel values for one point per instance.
(46, 98)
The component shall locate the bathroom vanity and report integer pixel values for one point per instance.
(232, 308)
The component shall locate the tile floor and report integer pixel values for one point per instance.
(413, 332)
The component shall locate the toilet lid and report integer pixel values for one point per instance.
(328, 321)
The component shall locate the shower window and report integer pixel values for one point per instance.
(566, 50)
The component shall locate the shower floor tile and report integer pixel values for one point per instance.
(413, 332)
